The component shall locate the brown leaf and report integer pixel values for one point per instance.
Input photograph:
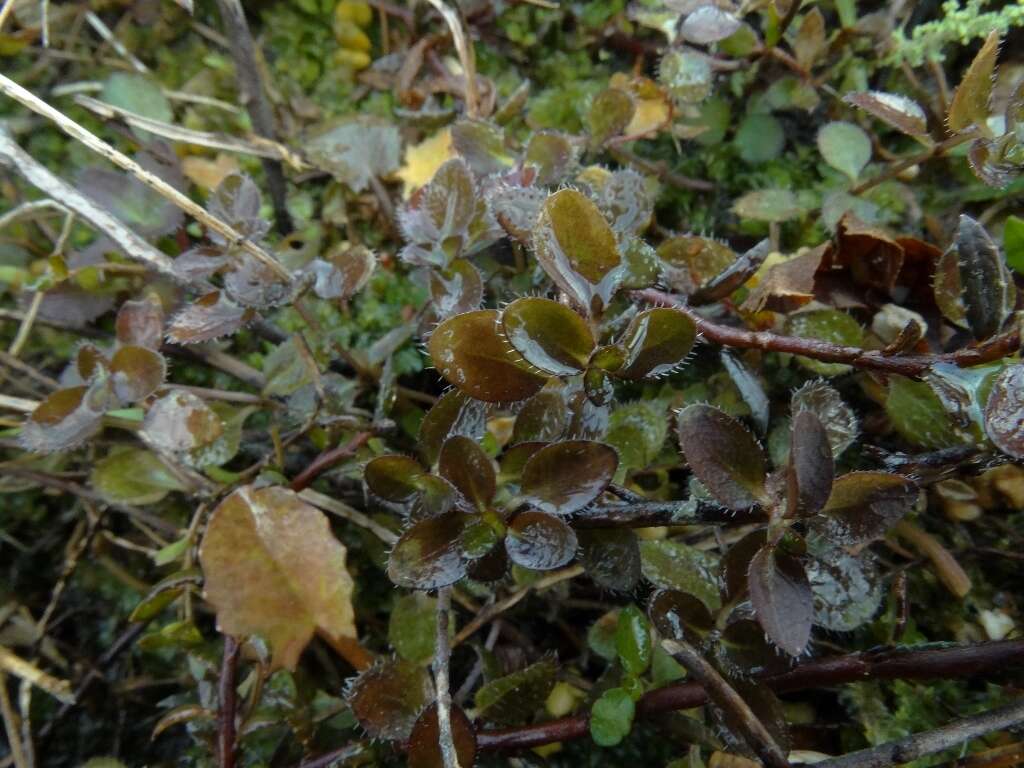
(141, 323)
(210, 317)
(273, 568)
(782, 599)
(788, 285)
(872, 256)
(903, 114)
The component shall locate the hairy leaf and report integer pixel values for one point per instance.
(539, 541)
(548, 335)
(782, 599)
(656, 341)
(1004, 411)
(970, 102)
(513, 699)
(388, 697)
(723, 455)
(562, 478)
(903, 114)
(809, 476)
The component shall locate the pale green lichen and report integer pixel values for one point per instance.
(960, 24)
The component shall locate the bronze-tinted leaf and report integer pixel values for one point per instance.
(836, 416)
(611, 557)
(136, 373)
(903, 114)
(548, 335)
(209, 317)
(393, 477)
(424, 744)
(565, 477)
(575, 245)
(948, 289)
(271, 567)
(517, 209)
(743, 651)
(872, 256)
(89, 362)
(1004, 411)
(429, 554)
(782, 599)
(236, 201)
(482, 145)
(656, 342)
(723, 455)
(456, 289)
(465, 465)
(985, 280)
(810, 38)
(690, 261)
(539, 541)
(471, 353)
(141, 323)
(388, 697)
(736, 563)
(515, 698)
(453, 414)
(63, 420)
(809, 476)
(863, 505)
(610, 113)
(970, 102)
(551, 155)
(542, 418)
(680, 616)
(342, 272)
(787, 286)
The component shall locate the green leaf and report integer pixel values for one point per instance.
(610, 113)
(918, 415)
(412, 627)
(611, 717)
(1013, 242)
(768, 205)
(548, 335)
(133, 476)
(826, 325)
(845, 146)
(674, 565)
(970, 102)
(760, 138)
(633, 641)
(515, 698)
(139, 94)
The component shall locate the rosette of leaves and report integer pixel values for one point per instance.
(509, 355)
(99, 381)
(246, 284)
(799, 569)
(463, 522)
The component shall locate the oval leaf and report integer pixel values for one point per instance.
(809, 477)
(656, 342)
(1004, 412)
(429, 555)
(564, 477)
(548, 335)
(539, 541)
(723, 455)
(782, 599)
(845, 146)
(464, 464)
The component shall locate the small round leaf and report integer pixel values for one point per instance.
(564, 477)
(429, 554)
(548, 335)
(656, 341)
(539, 541)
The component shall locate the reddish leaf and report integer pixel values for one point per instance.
(425, 745)
(141, 323)
(565, 477)
(539, 541)
(809, 477)
(723, 455)
(464, 464)
(136, 373)
(209, 317)
(782, 599)
(388, 697)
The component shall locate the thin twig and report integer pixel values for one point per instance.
(467, 56)
(14, 157)
(247, 75)
(104, 31)
(442, 655)
(228, 699)
(894, 170)
(344, 511)
(946, 567)
(912, 366)
(954, 734)
(59, 689)
(158, 185)
(10, 719)
(328, 459)
(725, 696)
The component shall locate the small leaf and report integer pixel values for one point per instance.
(429, 554)
(136, 372)
(690, 261)
(539, 541)
(656, 341)
(782, 599)
(470, 352)
(864, 505)
(388, 697)
(236, 200)
(482, 145)
(986, 284)
(515, 698)
(541, 419)
(1013, 243)
(209, 317)
(141, 323)
(787, 285)
(610, 113)
(271, 567)
(424, 741)
(687, 75)
(723, 455)
(577, 249)
(611, 717)
(743, 651)
(562, 478)
(825, 325)
(919, 415)
(760, 138)
(464, 464)
(680, 616)
(810, 38)
(811, 467)
(132, 476)
(903, 114)
(677, 566)
(611, 557)
(343, 272)
(845, 147)
(182, 424)
(412, 627)
(847, 589)
(552, 155)
(708, 24)
(453, 414)
(65, 419)
(456, 289)
(732, 277)
(353, 149)
(548, 335)
(633, 641)
(970, 102)
(768, 205)
(393, 477)
(836, 416)
(1004, 411)
(750, 389)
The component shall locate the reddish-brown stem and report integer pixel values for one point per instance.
(328, 459)
(228, 704)
(910, 664)
(912, 366)
(937, 150)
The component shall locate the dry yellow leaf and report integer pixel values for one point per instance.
(272, 567)
(422, 160)
(207, 173)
